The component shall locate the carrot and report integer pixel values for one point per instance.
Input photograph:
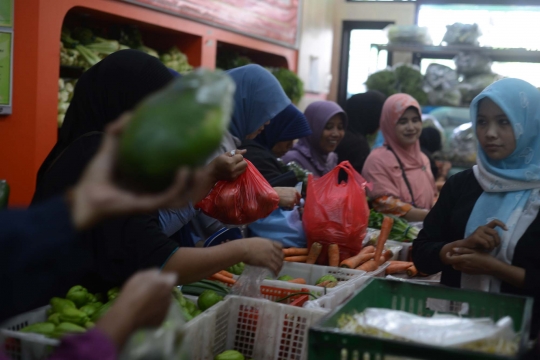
(398, 267)
(299, 258)
(333, 255)
(222, 278)
(226, 273)
(355, 261)
(412, 271)
(387, 255)
(314, 253)
(386, 227)
(297, 281)
(367, 249)
(369, 266)
(295, 251)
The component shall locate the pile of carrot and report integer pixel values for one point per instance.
(295, 254)
(223, 276)
(370, 258)
(397, 267)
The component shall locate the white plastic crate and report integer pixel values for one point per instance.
(25, 346)
(258, 328)
(335, 298)
(312, 273)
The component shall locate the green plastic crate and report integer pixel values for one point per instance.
(327, 342)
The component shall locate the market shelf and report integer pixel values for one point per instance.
(256, 56)
(449, 52)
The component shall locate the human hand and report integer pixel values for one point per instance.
(484, 237)
(288, 197)
(96, 196)
(264, 253)
(143, 302)
(228, 167)
(471, 261)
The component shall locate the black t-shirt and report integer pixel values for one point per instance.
(267, 164)
(446, 223)
(119, 246)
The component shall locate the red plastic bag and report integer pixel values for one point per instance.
(243, 201)
(336, 213)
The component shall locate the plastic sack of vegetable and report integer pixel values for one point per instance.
(336, 213)
(462, 147)
(462, 34)
(411, 34)
(245, 200)
(480, 334)
(440, 77)
(474, 85)
(163, 343)
(474, 63)
(446, 97)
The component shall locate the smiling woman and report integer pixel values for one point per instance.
(403, 184)
(315, 153)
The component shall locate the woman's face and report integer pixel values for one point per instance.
(332, 134)
(259, 130)
(282, 147)
(409, 127)
(494, 130)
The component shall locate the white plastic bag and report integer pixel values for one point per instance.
(249, 283)
(163, 343)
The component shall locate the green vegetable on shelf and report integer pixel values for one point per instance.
(285, 278)
(59, 304)
(237, 269)
(176, 60)
(78, 294)
(329, 278)
(83, 35)
(401, 230)
(290, 82)
(208, 299)
(43, 328)
(230, 355)
(74, 316)
(101, 311)
(54, 319)
(113, 293)
(67, 328)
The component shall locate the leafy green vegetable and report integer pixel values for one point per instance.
(290, 82)
(401, 230)
(401, 79)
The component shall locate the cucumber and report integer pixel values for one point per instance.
(198, 287)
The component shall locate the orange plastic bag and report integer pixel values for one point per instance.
(243, 201)
(336, 213)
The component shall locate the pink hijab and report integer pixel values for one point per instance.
(382, 168)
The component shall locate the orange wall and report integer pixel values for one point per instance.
(27, 135)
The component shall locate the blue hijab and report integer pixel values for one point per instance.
(289, 124)
(509, 183)
(258, 98)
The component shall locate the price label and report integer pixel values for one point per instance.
(5, 68)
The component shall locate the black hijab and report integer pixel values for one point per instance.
(108, 89)
(364, 112)
(430, 139)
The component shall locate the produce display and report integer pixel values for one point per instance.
(402, 78)
(180, 125)
(66, 89)
(230, 355)
(75, 313)
(401, 229)
(481, 335)
(176, 60)
(237, 269)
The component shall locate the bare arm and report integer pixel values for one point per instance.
(194, 264)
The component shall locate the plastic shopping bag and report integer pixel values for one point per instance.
(243, 201)
(336, 213)
(162, 343)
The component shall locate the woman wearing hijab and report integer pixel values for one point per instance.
(274, 142)
(364, 113)
(315, 153)
(257, 100)
(399, 172)
(483, 232)
(122, 246)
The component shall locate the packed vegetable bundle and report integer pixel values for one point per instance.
(401, 230)
(402, 78)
